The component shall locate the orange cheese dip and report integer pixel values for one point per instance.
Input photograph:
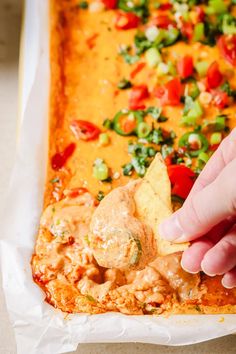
(87, 65)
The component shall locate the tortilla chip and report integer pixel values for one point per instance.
(153, 204)
(158, 177)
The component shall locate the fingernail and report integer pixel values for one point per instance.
(188, 270)
(170, 229)
(225, 285)
(203, 266)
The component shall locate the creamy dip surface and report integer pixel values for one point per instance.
(97, 70)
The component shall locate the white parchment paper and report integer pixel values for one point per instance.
(39, 328)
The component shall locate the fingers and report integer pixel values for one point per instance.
(221, 258)
(204, 209)
(229, 279)
(193, 256)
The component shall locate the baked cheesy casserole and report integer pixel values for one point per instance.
(142, 94)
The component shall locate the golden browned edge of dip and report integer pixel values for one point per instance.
(66, 270)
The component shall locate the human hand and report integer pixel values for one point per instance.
(208, 218)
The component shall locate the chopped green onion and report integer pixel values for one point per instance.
(162, 69)
(153, 57)
(171, 68)
(155, 112)
(139, 165)
(166, 150)
(143, 130)
(196, 110)
(100, 170)
(215, 138)
(152, 33)
(220, 123)
(229, 24)
(193, 89)
(192, 111)
(171, 36)
(199, 31)
(216, 7)
(202, 67)
(103, 139)
(203, 157)
(185, 16)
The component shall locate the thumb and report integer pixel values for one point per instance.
(204, 209)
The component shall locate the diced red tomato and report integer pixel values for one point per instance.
(200, 13)
(168, 160)
(110, 4)
(187, 30)
(126, 20)
(137, 95)
(170, 93)
(182, 180)
(60, 158)
(137, 69)
(163, 21)
(165, 7)
(221, 99)
(75, 192)
(214, 147)
(227, 47)
(214, 76)
(185, 66)
(84, 130)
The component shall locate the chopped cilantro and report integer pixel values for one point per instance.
(124, 84)
(55, 180)
(159, 137)
(83, 5)
(100, 195)
(141, 159)
(127, 169)
(155, 112)
(140, 8)
(128, 58)
(166, 150)
(108, 123)
(226, 88)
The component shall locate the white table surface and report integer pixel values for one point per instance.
(10, 17)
